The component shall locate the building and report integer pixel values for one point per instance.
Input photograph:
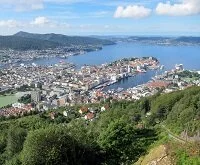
(36, 95)
(128, 69)
(179, 67)
(62, 101)
(83, 110)
(89, 116)
(18, 105)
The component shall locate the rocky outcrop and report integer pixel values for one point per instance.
(156, 156)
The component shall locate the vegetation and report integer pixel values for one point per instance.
(187, 154)
(120, 135)
(65, 40)
(171, 40)
(29, 41)
(26, 99)
(6, 100)
(187, 73)
(20, 43)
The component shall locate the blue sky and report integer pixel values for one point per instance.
(101, 17)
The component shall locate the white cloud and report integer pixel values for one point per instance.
(10, 23)
(134, 11)
(186, 7)
(44, 22)
(22, 5)
(40, 21)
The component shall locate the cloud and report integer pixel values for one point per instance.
(44, 22)
(10, 23)
(22, 5)
(186, 7)
(134, 11)
(40, 21)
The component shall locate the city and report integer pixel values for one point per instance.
(51, 87)
(99, 82)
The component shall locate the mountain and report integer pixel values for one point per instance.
(65, 40)
(189, 39)
(166, 40)
(30, 41)
(20, 43)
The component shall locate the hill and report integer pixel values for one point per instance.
(157, 155)
(30, 41)
(162, 40)
(20, 43)
(195, 40)
(65, 40)
(119, 135)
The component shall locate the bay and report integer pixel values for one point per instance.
(168, 56)
(189, 56)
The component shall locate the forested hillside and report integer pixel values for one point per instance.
(30, 41)
(120, 135)
(65, 40)
(20, 43)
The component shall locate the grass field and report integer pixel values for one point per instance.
(6, 100)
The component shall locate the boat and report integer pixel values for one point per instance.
(162, 67)
(142, 71)
(64, 57)
(119, 89)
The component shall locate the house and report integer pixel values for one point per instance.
(65, 113)
(158, 84)
(89, 116)
(53, 115)
(83, 110)
(104, 108)
(18, 105)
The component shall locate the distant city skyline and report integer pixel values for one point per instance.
(101, 17)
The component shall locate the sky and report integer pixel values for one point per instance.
(101, 17)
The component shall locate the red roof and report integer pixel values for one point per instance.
(90, 116)
(158, 84)
(84, 109)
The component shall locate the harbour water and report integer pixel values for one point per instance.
(168, 56)
(189, 56)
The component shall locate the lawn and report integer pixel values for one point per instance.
(6, 100)
(9, 99)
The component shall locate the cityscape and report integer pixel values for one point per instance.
(98, 82)
(51, 87)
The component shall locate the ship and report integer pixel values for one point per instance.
(119, 89)
(162, 67)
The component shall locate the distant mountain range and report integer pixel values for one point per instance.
(30, 41)
(160, 40)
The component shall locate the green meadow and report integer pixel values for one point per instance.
(6, 100)
(9, 99)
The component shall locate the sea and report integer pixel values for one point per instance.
(168, 56)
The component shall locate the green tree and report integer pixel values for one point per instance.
(53, 146)
(48, 146)
(124, 143)
(15, 160)
(15, 140)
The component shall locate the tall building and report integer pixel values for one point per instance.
(36, 95)
(128, 69)
(179, 67)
